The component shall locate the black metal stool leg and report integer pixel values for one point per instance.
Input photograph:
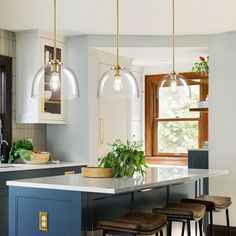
(183, 228)
(200, 227)
(189, 228)
(161, 233)
(169, 228)
(211, 223)
(195, 228)
(104, 232)
(228, 225)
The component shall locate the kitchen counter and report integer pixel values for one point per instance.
(22, 167)
(25, 171)
(155, 177)
(75, 204)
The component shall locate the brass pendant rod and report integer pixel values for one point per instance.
(55, 30)
(173, 34)
(117, 32)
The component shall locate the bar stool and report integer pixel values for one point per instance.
(182, 212)
(214, 204)
(134, 223)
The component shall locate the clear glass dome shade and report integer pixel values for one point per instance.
(175, 85)
(64, 80)
(122, 85)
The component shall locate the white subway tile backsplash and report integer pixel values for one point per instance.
(13, 84)
(2, 52)
(2, 33)
(14, 66)
(13, 102)
(6, 34)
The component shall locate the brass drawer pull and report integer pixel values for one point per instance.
(69, 172)
(101, 131)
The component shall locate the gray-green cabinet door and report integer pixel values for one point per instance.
(4, 211)
(24, 174)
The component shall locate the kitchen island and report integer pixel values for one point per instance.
(26, 171)
(74, 204)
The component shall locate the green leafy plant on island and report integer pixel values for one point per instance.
(201, 67)
(125, 159)
(21, 148)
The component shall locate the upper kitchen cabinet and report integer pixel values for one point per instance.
(33, 50)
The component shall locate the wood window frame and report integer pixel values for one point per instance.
(151, 81)
(6, 104)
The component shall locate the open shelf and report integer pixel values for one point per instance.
(53, 102)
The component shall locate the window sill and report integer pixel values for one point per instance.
(183, 161)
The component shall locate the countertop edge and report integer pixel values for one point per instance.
(12, 183)
(109, 190)
(26, 167)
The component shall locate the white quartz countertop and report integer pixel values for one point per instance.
(23, 167)
(155, 177)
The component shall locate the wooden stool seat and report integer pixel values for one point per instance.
(140, 223)
(183, 212)
(212, 203)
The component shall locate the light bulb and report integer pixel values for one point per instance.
(173, 86)
(117, 85)
(55, 81)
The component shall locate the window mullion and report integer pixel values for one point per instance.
(177, 119)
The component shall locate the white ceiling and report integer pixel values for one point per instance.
(148, 57)
(138, 17)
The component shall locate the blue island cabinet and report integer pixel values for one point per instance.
(72, 205)
(25, 174)
(63, 208)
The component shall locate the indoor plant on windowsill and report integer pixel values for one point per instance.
(125, 159)
(201, 67)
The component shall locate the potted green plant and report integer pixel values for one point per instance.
(20, 148)
(201, 67)
(125, 159)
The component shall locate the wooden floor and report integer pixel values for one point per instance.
(222, 230)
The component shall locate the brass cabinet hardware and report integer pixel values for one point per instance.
(69, 172)
(101, 130)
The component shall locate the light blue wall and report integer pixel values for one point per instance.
(222, 118)
(148, 41)
(70, 142)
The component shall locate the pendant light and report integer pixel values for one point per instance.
(118, 82)
(177, 84)
(61, 77)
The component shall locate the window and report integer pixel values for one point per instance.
(5, 104)
(170, 128)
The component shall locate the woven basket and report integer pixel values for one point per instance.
(97, 172)
(38, 158)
